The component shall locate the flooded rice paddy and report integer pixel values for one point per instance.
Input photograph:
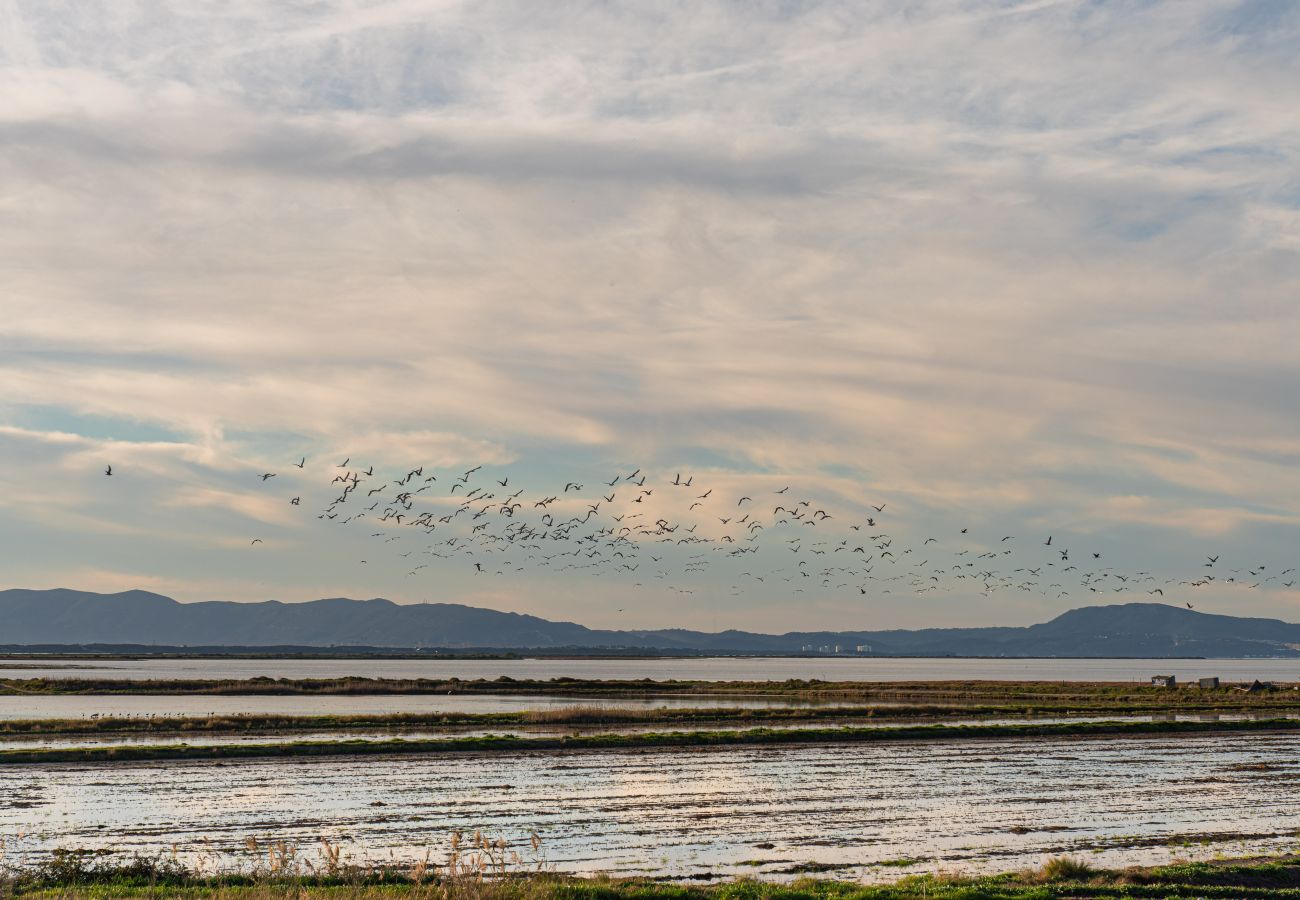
(771, 811)
(708, 669)
(85, 706)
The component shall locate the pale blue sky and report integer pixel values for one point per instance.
(1021, 267)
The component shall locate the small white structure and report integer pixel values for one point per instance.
(1164, 681)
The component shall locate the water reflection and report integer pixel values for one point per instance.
(970, 806)
(77, 706)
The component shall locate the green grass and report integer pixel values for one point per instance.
(617, 741)
(575, 715)
(1048, 694)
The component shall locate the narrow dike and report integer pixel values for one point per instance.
(650, 740)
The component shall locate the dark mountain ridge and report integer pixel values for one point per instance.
(67, 617)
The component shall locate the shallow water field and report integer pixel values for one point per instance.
(83, 706)
(768, 811)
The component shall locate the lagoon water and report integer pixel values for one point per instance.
(708, 669)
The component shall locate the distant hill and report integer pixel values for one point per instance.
(66, 617)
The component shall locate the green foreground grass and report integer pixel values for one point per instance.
(1059, 878)
(587, 715)
(646, 740)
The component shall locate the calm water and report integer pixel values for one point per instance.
(74, 706)
(967, 806)
(712, 669)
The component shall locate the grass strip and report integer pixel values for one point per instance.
(920, 691)
(1062, 877)
(577, 715)
(647, 740)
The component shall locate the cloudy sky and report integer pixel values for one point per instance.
(1017, 266)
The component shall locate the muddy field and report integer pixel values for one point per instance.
(769, 811)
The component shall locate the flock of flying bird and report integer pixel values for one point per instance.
(675, 531)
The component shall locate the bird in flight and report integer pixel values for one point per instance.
(344, 464)
(255, 541)
(108, 470)
(619, 534)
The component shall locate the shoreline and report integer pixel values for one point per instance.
(72, 652)
(799, 688)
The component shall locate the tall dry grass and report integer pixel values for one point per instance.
(473, 865)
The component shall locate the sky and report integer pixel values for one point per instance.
(1023, 267)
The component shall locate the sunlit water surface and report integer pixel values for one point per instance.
(81, 706)
(966, 806)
